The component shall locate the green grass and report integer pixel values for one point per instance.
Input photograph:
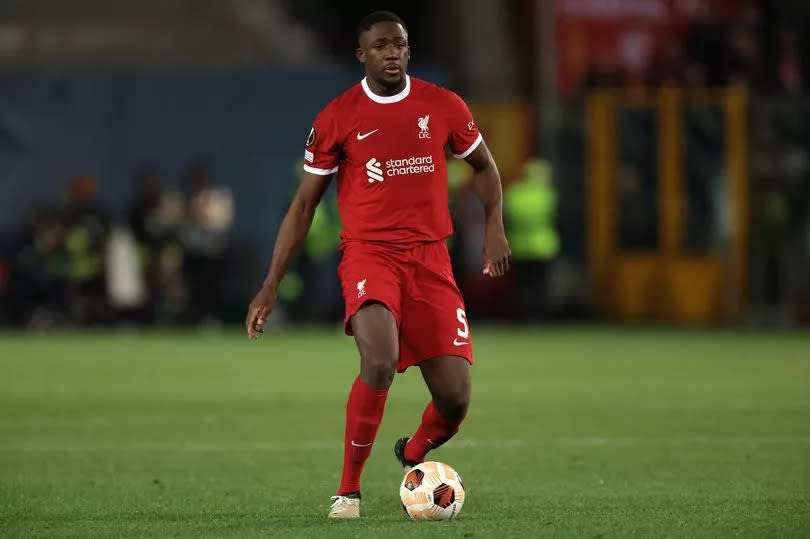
(586, 432)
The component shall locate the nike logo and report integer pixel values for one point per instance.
(355, 444)
(460, 343)
(364, 135)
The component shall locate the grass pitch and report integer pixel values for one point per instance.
(586, 432)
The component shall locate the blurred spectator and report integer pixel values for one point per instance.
(530, 205)
(205, 239)
(126, 286)
(85, 241)
(670, 66)
(779, 249)
(156, 218)
(40, 288)
(789, 63)
(144, 217)
(603, 73)
(707, 53)
(158, 212)
(745, 44)
(745, 57)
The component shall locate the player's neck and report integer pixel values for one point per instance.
(383, 90)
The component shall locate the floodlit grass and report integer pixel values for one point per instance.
(586, 432)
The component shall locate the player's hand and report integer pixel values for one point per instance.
(259, 310)
(496, 251)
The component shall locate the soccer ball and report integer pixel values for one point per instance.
(432, 491)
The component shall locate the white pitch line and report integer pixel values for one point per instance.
(690, 440)
(465, 443)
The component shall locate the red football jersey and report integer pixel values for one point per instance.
(389, 156)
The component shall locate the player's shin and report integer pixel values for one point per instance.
(434, 430)
(364, 412)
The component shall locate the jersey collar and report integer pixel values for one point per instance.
(386, 99)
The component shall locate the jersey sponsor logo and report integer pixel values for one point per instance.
(416, 164)
(373, 170)
(424, 128)
(410, 165)
(361, 136)
(361, 288)
(311, 137)
(309, 156)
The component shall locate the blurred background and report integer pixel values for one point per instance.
(654, 155)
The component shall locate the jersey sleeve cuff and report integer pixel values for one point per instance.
(320, 171)
(469, 150)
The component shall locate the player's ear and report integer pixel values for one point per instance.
(361, 55)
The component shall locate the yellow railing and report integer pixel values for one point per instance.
(666, 283)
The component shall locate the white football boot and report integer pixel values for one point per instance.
(345, 506)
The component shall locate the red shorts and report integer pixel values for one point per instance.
(416, 284)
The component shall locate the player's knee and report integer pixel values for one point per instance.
(377, 370)
(453, 406)
(378, 362)
(375, 332)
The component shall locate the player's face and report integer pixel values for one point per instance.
(384, 51)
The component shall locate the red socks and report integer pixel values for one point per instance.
(364, 413)
(432, 432)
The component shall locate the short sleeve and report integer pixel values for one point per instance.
(322, 153)
(463, 133)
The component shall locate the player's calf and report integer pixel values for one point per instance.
(433, 431)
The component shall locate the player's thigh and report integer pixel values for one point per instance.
(377, 336)
(368, 278)
(372, 289)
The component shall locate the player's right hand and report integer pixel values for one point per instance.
(258, 312)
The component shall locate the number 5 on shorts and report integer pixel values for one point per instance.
(464, 330)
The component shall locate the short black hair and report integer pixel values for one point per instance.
(373, 18)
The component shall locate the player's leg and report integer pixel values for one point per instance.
(436, 336)
(375, 331)
(448, 379)
(372, 292)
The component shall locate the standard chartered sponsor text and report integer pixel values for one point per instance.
(410, 165)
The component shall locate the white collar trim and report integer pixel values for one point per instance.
(386, 99)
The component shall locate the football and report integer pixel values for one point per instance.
(432, 491)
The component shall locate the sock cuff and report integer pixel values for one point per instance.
(368, 390)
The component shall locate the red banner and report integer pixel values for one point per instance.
(626, 36)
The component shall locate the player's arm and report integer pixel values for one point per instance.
(291, 235)
(486, 182)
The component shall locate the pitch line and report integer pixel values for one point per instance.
(337, 445)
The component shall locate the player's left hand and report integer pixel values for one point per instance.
(496, 251)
